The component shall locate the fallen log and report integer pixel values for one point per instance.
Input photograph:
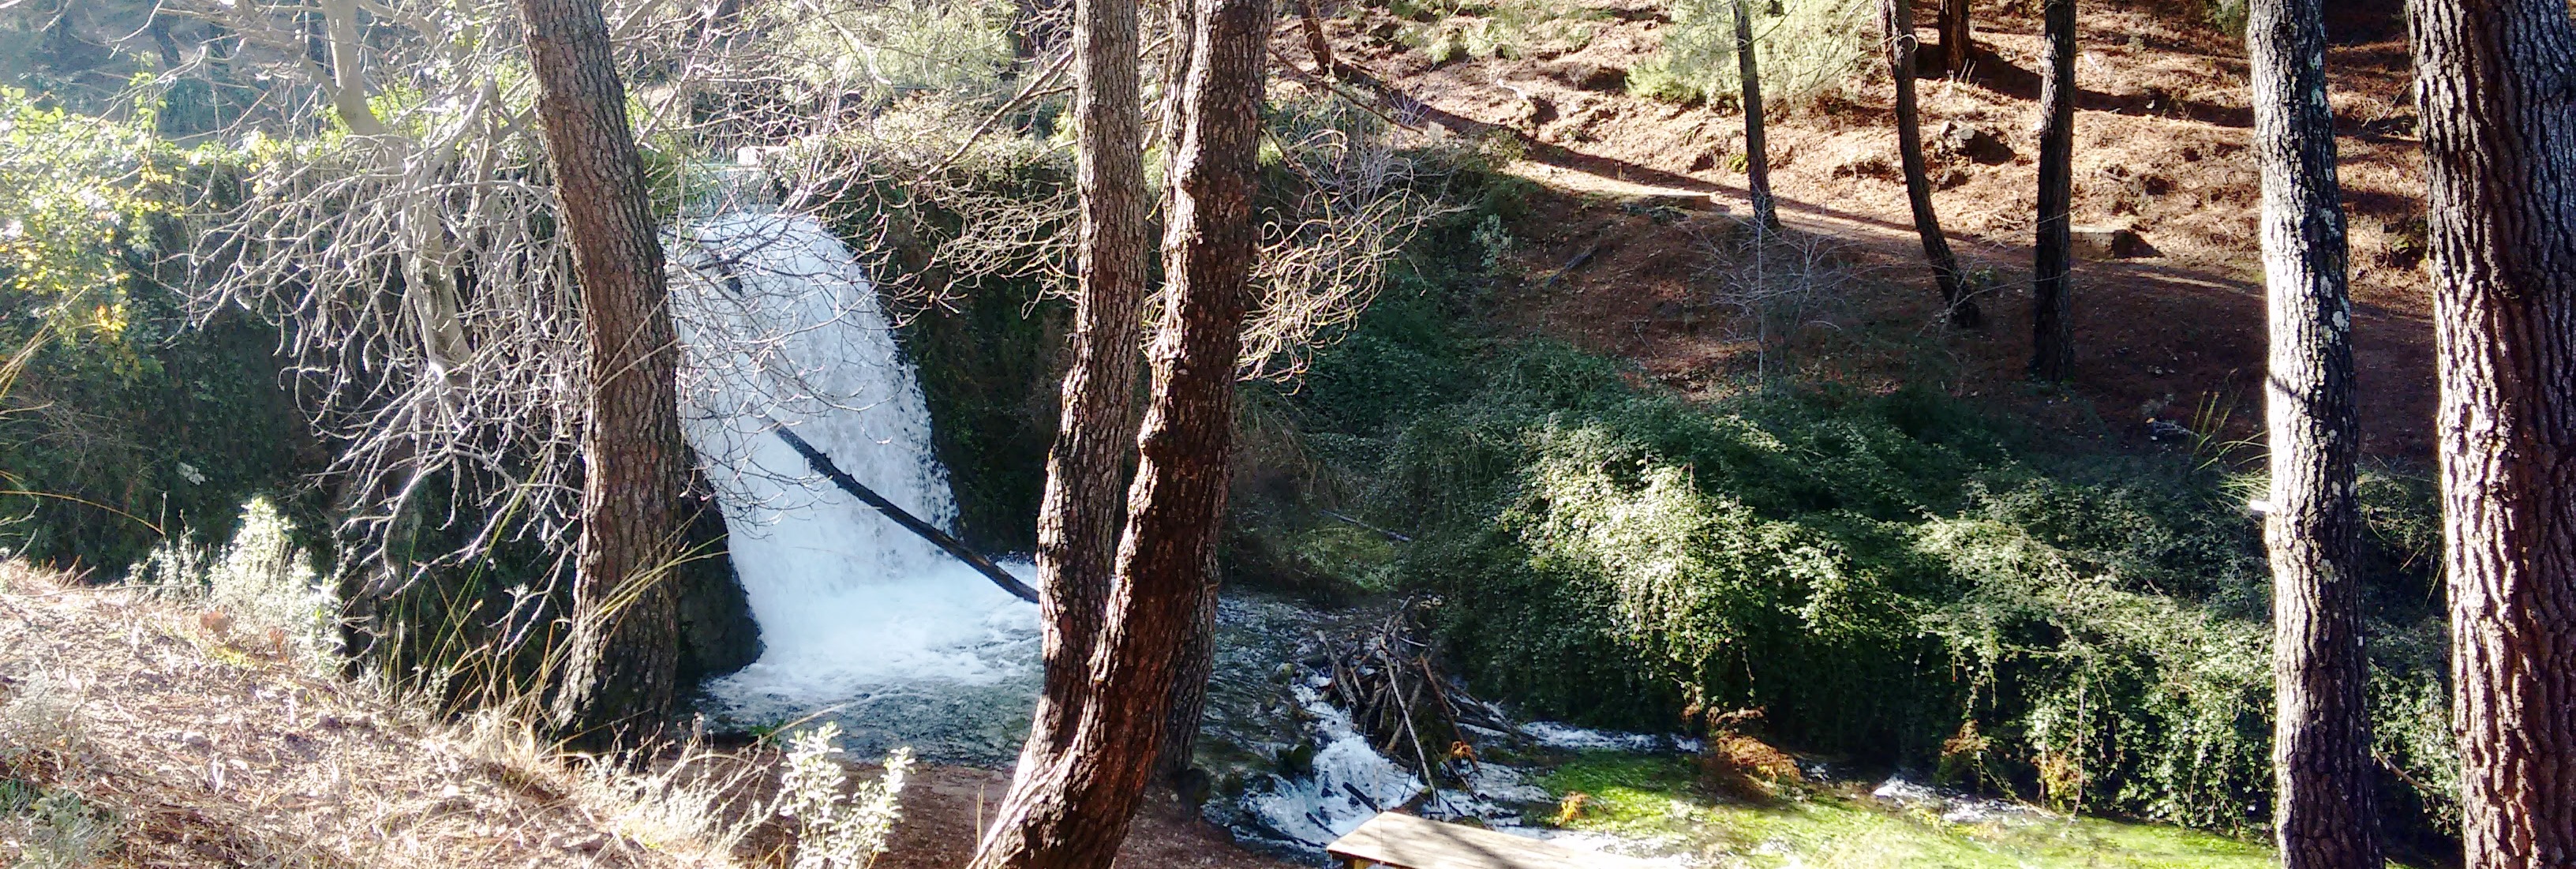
(822, 464)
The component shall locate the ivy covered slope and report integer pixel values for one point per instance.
(117, 421)
(1894, 579)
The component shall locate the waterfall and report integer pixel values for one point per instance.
(907, 645)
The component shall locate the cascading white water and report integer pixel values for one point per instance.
(900, 642)
(781, 327)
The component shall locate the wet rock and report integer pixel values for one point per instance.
(717, 633)
(1298, 760)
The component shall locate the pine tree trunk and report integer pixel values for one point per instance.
(1896, 20)
(1757, 159)
(2496, 88)
(1958, 37)
(621, 668)
(1080, 511)
(1198, 651)
(2324, 810)
(1166, 643)
(1195, 664)
(2052, 320)
(1322, 49)
(1072, 806)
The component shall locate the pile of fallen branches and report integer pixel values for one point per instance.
(1390, 681)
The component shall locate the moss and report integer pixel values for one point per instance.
(1656, 798)
(990, 368)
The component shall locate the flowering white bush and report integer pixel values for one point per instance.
(836, 830)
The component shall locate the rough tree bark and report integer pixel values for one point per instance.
(2324, 811)
(1172, 763)
(2496, 88)
(1958, 37)
(1896, 20)
(2052, 322)
(621, 667)
(1192, 667)
(1072, 813)
(1197, 662)
(1757, 159)
(1312, 22)
(1079, 512)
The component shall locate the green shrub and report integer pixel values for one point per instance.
(884, 51)
(1806, 49)
(1449, 30)
(119, 422)
(1894, 578)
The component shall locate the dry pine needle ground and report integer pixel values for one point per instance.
(141, 729)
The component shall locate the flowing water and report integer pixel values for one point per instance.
(859, 619)
(865, 623)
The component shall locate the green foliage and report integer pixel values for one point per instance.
(1895, 578)
(118, 422)
(76, 198)
(1806, 49)
(837, 830)
(2228, 16)
(54, 829)
(884, 51)
(1661, 798)
(1451, 30)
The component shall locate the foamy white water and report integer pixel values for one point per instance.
(782, 327)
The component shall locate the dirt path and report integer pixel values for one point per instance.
(944, 808)
(2162, 130)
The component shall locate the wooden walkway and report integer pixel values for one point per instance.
(1407, 842)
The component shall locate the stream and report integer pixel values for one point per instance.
(868, 625)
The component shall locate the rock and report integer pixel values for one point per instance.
(1193, 786)
(1975, 143)
(1297, 760)
(2109, 242)
(1676, 199)
(1535, 111)
(717, 633)
(1584, 75)
(1867, 166)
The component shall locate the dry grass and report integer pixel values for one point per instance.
(142, 728)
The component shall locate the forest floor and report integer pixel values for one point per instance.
(2175, 331)
(944, 808)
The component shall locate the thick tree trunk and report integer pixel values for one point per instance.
(1958, 37)
(2052, 321)
(622, 665)
(1896, 20)
(1757, 159)
(1198, 649)
(1190, 672)
(1072, 812)
(2496, 88)
(2324, 810)
(1079, 513)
